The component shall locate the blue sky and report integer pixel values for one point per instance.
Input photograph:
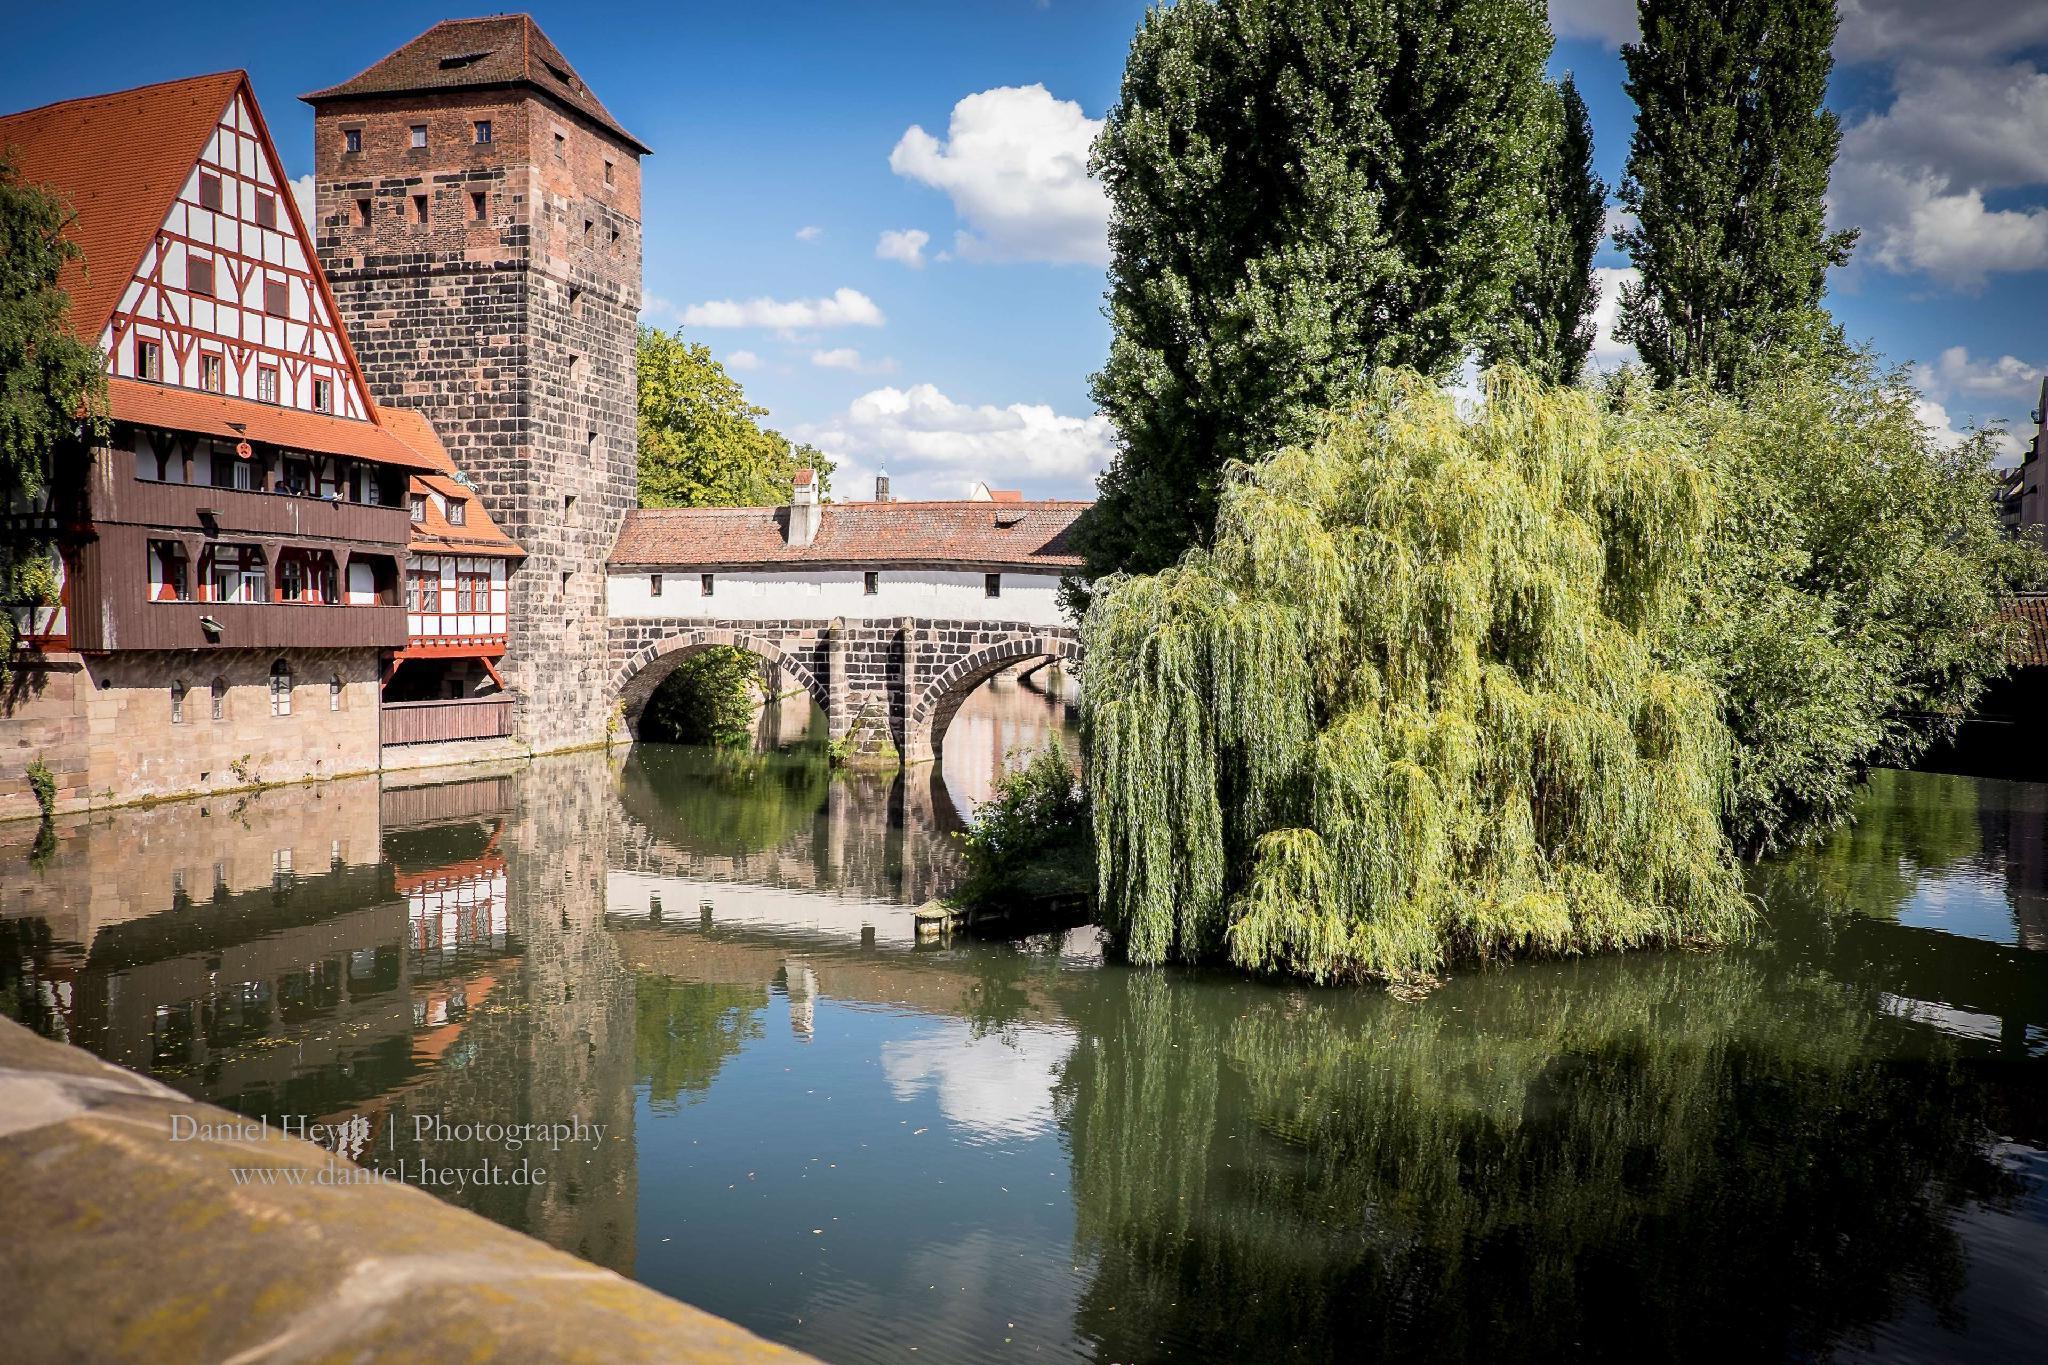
(877, 212)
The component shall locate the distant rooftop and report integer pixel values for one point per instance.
(477, 54)
(1034, 536)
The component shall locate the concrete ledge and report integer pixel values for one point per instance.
(449, 753)
(125, 1245)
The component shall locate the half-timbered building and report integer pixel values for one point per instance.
(233, 553)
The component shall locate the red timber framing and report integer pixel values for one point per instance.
(242, 260)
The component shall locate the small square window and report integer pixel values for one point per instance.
(589, 231)
(705, 582)
(561, 146)
(654, 585)
(266, 383)
(323, 395)
(419, 506)
(870, 583)
(209, 191)
(568, 503)
(351, 139)
(266, 210)
(419, 207)
(199, 275)
(419, 135)
(575, 302)
(212, 373)
(362, 213)
(277, 298)
(149, 359)
(478, 205)
(992, 585)
(483, 131)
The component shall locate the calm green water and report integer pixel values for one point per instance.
(1833, 1145)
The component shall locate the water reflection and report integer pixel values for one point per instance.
(1829, 1145)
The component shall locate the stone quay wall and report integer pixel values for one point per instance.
(108, 730)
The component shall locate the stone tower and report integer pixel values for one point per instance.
(478, 215)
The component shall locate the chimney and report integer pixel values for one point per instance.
(804, 511)
(882, 486)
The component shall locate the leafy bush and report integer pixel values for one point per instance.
(1031, 840)
(43, 783)
(709, 699)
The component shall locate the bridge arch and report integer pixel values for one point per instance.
(939, 700)
(636, 680)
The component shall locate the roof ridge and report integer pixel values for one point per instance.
(238, 73)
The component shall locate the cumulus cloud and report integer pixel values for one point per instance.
(993, 1087)
(905, 245)
(302, 194)
(1015, 164)
(847, 358)
(939, 447)
(1610, 352)
(845, 308)
(743, 360)
(810, 233)
(1608, 21)
(1875, 30)
(1919, 220)
(1959, 393)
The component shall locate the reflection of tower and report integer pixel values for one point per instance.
(801, 985)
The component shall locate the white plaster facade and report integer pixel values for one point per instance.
(824, 594)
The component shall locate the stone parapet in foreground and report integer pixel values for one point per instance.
(120, 1244)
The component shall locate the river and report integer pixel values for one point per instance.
(1832, 1144)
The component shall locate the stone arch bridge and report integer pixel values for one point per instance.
(888, 687)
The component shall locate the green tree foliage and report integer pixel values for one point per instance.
(1850, 612)
(1547, 328)
(708, 699)
(1414, 707)
(684, 1031)
(49, 380)
(701, 442)
(1300, 190)
(1727, 178)
(1031, 839)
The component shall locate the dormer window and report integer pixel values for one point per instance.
(149, 359)
(419, 136)
(419, 507)
(212, 373)
(457, 511)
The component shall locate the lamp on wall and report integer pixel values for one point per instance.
(212, 629)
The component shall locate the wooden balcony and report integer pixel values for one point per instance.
(429, 722)
(234, 512)
(257, 625)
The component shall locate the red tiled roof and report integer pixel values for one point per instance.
(1024, 535)
(2031, 611)
(232, 419)
(118, 160)
(478, 534)
(474, 54)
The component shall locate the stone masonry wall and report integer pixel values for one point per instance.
(105, 724)
(514, 332)
(888, 688)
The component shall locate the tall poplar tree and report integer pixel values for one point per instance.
(1300, 190)
(1727, 178)
(1548, 326)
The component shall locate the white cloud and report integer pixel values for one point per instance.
(845, 308)
(302, 193)
(1985, 127)
(1918, 220)
(1873, 30)
(939, 447)
(743, 360)
(2007, 379)
(905, 245)
(1609, 21)
(847, 358)
(655, 306)
(1610, 352)
(1015, 164)
(809, 233)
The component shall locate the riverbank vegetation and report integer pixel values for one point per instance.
(710, 698)
(1030, 843)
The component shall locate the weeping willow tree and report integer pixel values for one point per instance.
(1415, 704)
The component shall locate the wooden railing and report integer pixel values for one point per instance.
(427, 722)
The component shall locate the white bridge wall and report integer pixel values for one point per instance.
(817, 594)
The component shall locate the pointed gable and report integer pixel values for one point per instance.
(198, 272)
(479, 54)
